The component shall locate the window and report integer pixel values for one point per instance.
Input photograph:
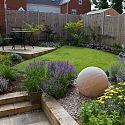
(73, 12)
(80, 2)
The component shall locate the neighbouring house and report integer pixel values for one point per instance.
(50, 6)
(75, 7)
(106, 12)
(16, 5)
(2, 17)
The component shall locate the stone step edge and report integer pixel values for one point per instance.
(56, 114)
(17, 108)
(13, 97)
(40, 123)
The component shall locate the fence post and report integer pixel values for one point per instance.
(38, 21)
(103, 18)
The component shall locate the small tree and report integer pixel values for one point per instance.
(118, 5)
(74, 31)
(101, 4)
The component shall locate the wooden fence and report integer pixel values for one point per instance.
(113, 27)
(55, 21)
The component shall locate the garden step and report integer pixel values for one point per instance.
(13, 97)
(41, 123)
(16, 108)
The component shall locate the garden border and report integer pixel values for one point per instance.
(56, 114)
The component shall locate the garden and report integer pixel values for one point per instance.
(55, 74)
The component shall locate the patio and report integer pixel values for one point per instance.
(30, 52)
(30, 118)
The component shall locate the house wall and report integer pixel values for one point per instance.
(43, 8)
(2, 17)
(16, 4)
(74, 4)
(111, 12)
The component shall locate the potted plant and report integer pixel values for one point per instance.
(34, 73)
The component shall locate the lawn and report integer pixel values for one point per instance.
(79, 57)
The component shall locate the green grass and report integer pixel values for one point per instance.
(79, 57)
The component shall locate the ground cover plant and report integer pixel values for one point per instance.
(108, 109)
(77, 56)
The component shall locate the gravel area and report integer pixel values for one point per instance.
(72, 102)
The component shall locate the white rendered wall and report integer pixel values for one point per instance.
(43, 8)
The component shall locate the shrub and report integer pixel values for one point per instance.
(59, 76)
(114, 71)
(117, 48)
(35, 72)
(5, 60)
(53, 78)
(108, 109)
(8, 72)
(75, 34)
(117, 72)
(15, 58)
(3, 84)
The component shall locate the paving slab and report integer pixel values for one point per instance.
(34, 117)
(30, 52)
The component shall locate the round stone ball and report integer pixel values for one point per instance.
(92, 82)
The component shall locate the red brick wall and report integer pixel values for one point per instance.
(74, 4)
(111, 12)
(16, 4)
(2, 17)
(64, 8)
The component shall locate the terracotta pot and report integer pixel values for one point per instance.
(35, 97)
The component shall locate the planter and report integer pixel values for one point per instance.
(35, 97)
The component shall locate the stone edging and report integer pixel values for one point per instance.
(56, 114)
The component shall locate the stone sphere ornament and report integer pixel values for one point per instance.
(92, 82)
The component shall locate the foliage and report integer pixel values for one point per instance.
(103, 4)
(8, 72)
(35, 72)
(91, 114)
(49, 44)
(59, 76)
(117, 72)
(15, 58)
(34, 27)
(5, 60)
(113, 71)
(74, 28)
(3, 84)
(53, 78)
(74, 31)
(117, 48)
(118, 5)
(108, 109)
(95, 34)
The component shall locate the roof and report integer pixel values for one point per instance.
(97, 11)
(45, 2)
(64, 2)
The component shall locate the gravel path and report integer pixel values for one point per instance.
(72, 102)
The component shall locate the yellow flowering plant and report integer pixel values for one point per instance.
(110, 108)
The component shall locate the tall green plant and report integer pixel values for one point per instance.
(75, 32)
(35, 72)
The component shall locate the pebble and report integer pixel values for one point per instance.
(72, 101)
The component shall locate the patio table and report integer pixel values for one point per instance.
(23, 38)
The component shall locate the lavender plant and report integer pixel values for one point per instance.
(59, 76)
(35, 72)
(52, 77)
